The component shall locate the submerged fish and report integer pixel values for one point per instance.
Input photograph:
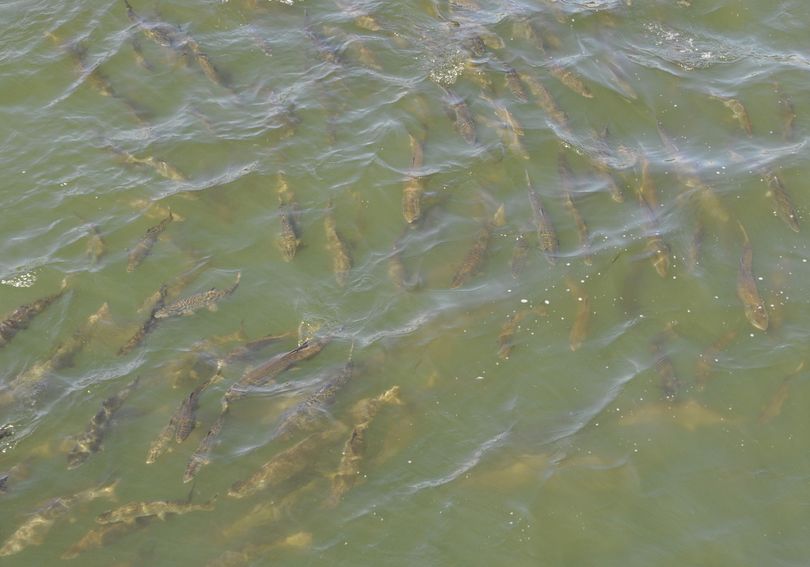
(159, 166)
(303, 416)
(708, 358)
(134, 511)
(36, 527)
(247, 554)
(148, 325)
(514, 84)
(739, 112)
(189, 305)
(691, 415)
(570, 80)
(785, 209)
(288, 241)
(162, 33)
(96, 247)
(89, 442)
(348, 471)
(414, 188)
(582, 319)
(508, 330)
(284, 465)
(341, 259)
(201, 455)
(22, 316)
(786, 111)
(670, 385)
(546, 102)
(462, 118)
(144, 246)
(566, 178)
(755, 310)
(658, 249)
(104, 535)
(520, 254)
(208, 68)
(29, 382)
(475, 256)
(546, 236)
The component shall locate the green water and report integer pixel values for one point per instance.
(552, 455)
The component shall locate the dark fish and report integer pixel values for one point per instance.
(508, 330)
(546, 236)
(462, 117)
(144, 246)
(656, 247)
(739, 112)
(95, 244)
(784, 205)
(696, 245)
(755, 310)
(189, 305)
(414, 188)
(201, 455)
(148, 325)
(288, 241)
(162, 33)
(326, 52)
(21, 317)
(582, 319)
(208, 68)
(472, 262)
(303, 416)
(341, 259)
(268, 371)
(89, 442)
(514, 84)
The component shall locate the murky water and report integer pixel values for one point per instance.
(532, 219)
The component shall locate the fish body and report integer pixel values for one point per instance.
(189, 305)
(148, 325)
(784, 204)
(129, 513)
(582, 319)
(474, 258)
(546, 236)
(104, 535)
(208, 68)
(89, 442)
(96, 247)
(754, 306)
(707, 359)
(514, 84)
(144, 246)
(566, 177)
(570, 80)
(507, 334)
(36, 527)
(786, 111)
(341, 259)
(520, 255)
(283, 466)
(309, 411)
(740, 113)
(22, 316)
(670, 385)
(201, 455)
(546, 101)
(288, 241)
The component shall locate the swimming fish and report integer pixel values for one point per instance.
(755, 310)
(22, 316)
(189, 305)
(89, 442)
(144, 246)
(546, 236)
(785, 209)
(341, 259)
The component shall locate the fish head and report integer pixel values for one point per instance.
(757, 315)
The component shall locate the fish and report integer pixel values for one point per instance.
(21, 317)
(690, 415)
(546, 236)
(707, 359)
(396, 269)
(414, 188)
(617, 76)
(144, 246)
(268, 371)
(326, 52)
(582, 319)
(787, 112)
(159, 166)
(739, 112)
(546, 101)
(303, 416)
(148, 325)
(201, 455)
(95, 247)
(785, 209)
(341, 259)
(566, 177)
(243, 351)
(134, 511)
(754, 306)
(670, 385)
(205, 299)
(514, 84)
(570, 80)
(462, 118)
(774, 406)
(104, 535)
(288, 241)
(173, 287)
(366, 409)
(508, 330)
(474, 258)
(140, 59)
(658, 250)
(247, 554)
(284, 465)
(162, 33)
(520, 254)
(696, 245)
(33, 531)
(89, 442)
(181, 423)
(28, 383)
(348, 471)
(208, 68)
